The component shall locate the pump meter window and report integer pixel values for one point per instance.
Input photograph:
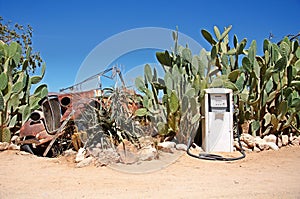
(218, 102)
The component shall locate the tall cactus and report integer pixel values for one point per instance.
(267, 87)
(173, 102)
(16, 103)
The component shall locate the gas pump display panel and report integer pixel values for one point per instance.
(218, 102)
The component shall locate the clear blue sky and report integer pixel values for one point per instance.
(66, 31)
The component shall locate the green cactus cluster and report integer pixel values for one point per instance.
(16, 102)
(173, 102)
(266, 87)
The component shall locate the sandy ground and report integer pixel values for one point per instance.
(268, 174)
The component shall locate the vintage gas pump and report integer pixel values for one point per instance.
(217, 125)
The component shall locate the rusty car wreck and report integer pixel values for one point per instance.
(59, 123)
(48, 123)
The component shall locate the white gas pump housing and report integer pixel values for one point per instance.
(217, 126)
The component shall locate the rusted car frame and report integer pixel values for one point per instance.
(45, 124)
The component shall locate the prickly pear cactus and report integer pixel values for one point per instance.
(15, 98)
(5, 135)
(266, 87)
(172, 102)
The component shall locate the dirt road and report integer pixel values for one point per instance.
(268, 174)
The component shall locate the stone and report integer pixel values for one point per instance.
(166, 144)
(148, 153)
(107, 156)
(128, 152)
(95, 151)
(85, 162)
(69, 152)
(295, 141)
(4, 146)
(80, 155)
(256, 149)
(247, 149)
(146, 141)
(285, 140)
(244, 145)
(270, 138)
(236, 145)
(195, 149)
(279, 142)
(181, 147)
(13, 147)
(248, 139)
(98, 145)
(273, 146)
(14, 138)
(261, 144)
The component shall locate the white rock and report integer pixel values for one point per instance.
(85, 162)
(273, 146)
(13, 147)
(261, 144)
(128, 157)
(98, 145)
(148, 153)
(128, 152)
(270, 138)
(295, 141)
(69, 152)
(168, 147)
(14, 138)
(195, 149)
(95, 151)
(167, 144)
(80, 155)
(248, 139)
(244, 145)
(247, 150)
(181, 147)
(236, 144)
(3, 146)
(107, 156)
(285, 140)
(256, 149)
(257, 139)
